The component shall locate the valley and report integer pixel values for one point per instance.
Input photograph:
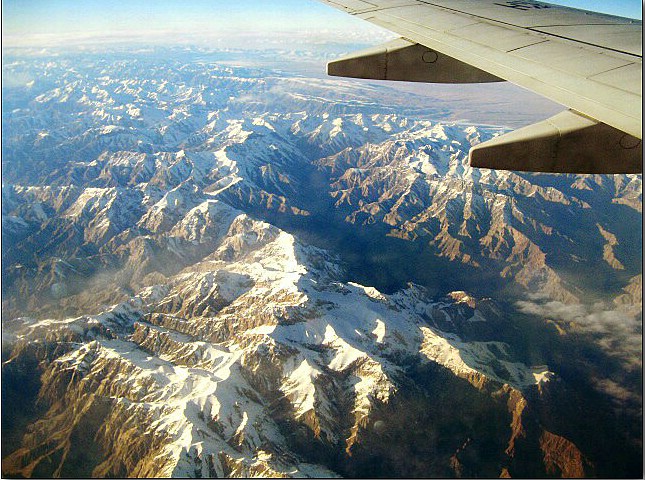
(221, 270)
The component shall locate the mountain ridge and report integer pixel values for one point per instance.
(211, 269)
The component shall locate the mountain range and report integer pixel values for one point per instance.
(220, 270)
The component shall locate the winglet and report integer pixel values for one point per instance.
(566, 143)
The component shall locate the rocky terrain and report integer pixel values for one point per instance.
(212, 270)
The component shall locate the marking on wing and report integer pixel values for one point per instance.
(523, 5)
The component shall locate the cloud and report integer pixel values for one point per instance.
(553, 309)
(616, 391)
(617, 332)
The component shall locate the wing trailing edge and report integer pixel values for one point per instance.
(565, 143)
(403, 60)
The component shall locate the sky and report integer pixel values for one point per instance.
(26, 17)
(25, 21)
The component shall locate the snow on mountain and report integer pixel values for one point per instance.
(157, 280)
(198, 361)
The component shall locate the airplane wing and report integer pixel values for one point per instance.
(588, 62)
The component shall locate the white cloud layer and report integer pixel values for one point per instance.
(618, 333)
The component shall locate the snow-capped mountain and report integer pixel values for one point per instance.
(213, 361)
(220, 271)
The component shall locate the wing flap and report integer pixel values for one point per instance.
(627, 78)
(566, 143)
(622, 37)
(568, 60)
(506, 40)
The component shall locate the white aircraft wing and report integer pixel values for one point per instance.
(588, 62)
